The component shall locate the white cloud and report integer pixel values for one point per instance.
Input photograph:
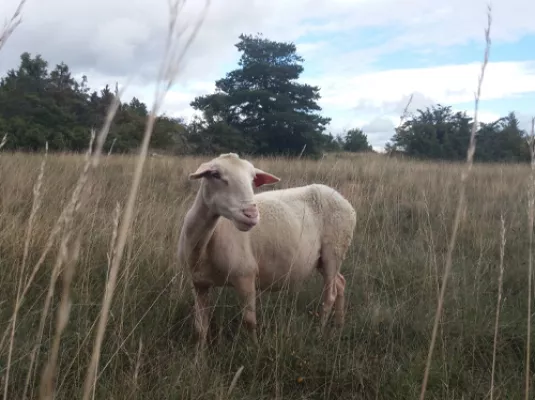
(111, 40)
(176, 102)
(448, 84)
(375, 101)
(125, 35)
(378, 124)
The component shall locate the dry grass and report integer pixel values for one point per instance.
(465, 174)
(94, 305)
(404, 213)
(12, 24)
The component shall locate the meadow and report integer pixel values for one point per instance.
(405, 211)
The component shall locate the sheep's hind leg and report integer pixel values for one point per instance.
(328, 271)
(339, 304)
(329, 267)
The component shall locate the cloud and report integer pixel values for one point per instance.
(372, 99)
(379, 131)
(123, 36)
(448, 84)
(397, 107)
(378, 124)
(367, 56)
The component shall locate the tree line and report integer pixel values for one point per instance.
(260, 108)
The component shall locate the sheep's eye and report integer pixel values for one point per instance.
(216, 175)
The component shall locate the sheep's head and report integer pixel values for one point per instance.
(227, 188)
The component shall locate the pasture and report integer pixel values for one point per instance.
(394, 268)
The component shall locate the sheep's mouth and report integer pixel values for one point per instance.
(245, 225)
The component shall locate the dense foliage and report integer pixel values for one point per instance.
(264, 104)
(38, 106)
(259, 108)
(439, 133)
(356, 140)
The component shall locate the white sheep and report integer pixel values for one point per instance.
(265, 241)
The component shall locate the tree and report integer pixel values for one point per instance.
(502, 140)
(262, 101)
(39, 106)
(259, 108)
(436, 132)
(439, 133)
(356, 140)
(332, 143)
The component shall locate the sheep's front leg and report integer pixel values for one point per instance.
(245, 287)
(201, 295)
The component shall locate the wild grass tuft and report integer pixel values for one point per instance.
(394, 270)
(94, 306)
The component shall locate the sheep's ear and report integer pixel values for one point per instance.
(203, 170)
(264, 178)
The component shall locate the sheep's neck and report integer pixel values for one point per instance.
(200, 224)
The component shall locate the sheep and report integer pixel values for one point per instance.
(263, 241)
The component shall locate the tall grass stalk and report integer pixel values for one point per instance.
(460, 205)
(531, 217)
(173, 56)
(65, 334)
(12, 24)
(498, 304)
(36, 204)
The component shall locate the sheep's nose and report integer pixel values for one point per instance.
(250, 211)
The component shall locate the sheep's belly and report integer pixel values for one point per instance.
(289, 269)
(286, 248)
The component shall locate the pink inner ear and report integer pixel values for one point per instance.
(263, 178)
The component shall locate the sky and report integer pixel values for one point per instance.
(367, 56)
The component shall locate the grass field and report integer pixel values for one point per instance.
(405, 213)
